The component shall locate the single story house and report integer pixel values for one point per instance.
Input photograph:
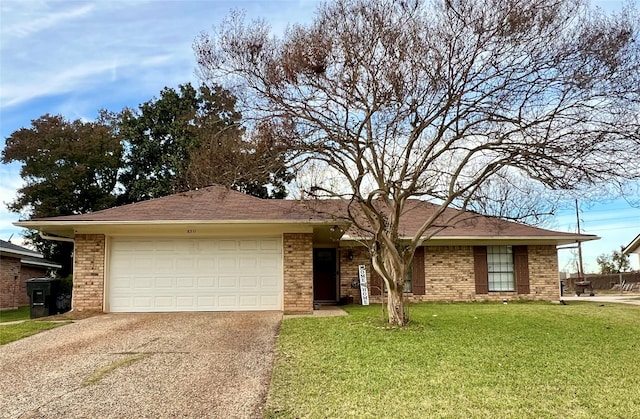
(17, 265)
(216, 249)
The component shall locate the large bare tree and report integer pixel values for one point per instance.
(444, 100)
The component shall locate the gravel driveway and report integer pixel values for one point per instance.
(142, 365)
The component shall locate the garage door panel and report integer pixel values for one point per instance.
(185, 302)
(248, 244)
(270, 244)
(228, 282)
(227, 263)
(248, 301)
(248, 282)
(185, 282)
(228, 245)
(195, 274)
(269, 262)
(269, 281)
(206, 282)
(227, 302)
(165, 302)
(248, 262)
(142, 302)
(206, 246)
(206, 265)
(143, 283)
(164, 282)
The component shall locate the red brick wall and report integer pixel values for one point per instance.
(88, 272)
(10, 283)
(298, 272)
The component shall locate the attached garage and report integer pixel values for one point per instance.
(194, 274)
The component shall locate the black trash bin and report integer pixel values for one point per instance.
(43, 293)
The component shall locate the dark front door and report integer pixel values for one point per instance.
(324, 275)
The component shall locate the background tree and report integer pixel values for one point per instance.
(614, 263)
(440, 100)
(68, 167)
(192, 138)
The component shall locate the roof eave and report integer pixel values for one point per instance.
(557, 240)
(36, 223)
(21, 253)
(633, 247)
(43, 264)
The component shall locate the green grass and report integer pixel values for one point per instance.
(12, 332)
(13, 315)
(482, 360)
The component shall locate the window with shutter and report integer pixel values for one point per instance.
(480, 269)
(417, 271)
(500, 268)
(521, 267)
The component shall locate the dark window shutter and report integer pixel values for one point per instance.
(481, 269)
(417, 274)
(375, 283)
(521, 266)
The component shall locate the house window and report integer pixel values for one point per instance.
(408, 284)
(501, 268)
(408, 281)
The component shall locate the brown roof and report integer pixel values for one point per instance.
(465, 224)
(206, 204)
(216, 203)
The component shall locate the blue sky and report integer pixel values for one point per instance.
(76, 57)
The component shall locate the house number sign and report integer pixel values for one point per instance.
(364, 291)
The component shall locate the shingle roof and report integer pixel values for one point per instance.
(216, 203)
(465, 225)
(206, 204)
(9, 247)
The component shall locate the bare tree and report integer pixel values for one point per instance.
(440, 100)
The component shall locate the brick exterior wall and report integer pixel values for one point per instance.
(298, 272)
(349, 271)
(543, 272)
(449, 275)
(13, 282)
(10, 283)
(88, 272)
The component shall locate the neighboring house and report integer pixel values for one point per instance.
(220, 250)
(633, 247)
(17, 264)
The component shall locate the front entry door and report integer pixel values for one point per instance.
(324, 275)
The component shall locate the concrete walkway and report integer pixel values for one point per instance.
(325, 311)
(604, 298)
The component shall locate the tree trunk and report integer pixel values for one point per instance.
(395, 305)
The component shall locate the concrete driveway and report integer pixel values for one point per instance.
(142, 365)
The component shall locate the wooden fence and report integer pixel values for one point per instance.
(630, 281)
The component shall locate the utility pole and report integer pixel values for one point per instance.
(580, 264)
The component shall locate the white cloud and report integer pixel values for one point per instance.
(37, 18)
(11, 181)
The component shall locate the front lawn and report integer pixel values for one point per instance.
(21, 313)
(9, 333)
(462, 360)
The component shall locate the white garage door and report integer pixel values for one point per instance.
(174, 274)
